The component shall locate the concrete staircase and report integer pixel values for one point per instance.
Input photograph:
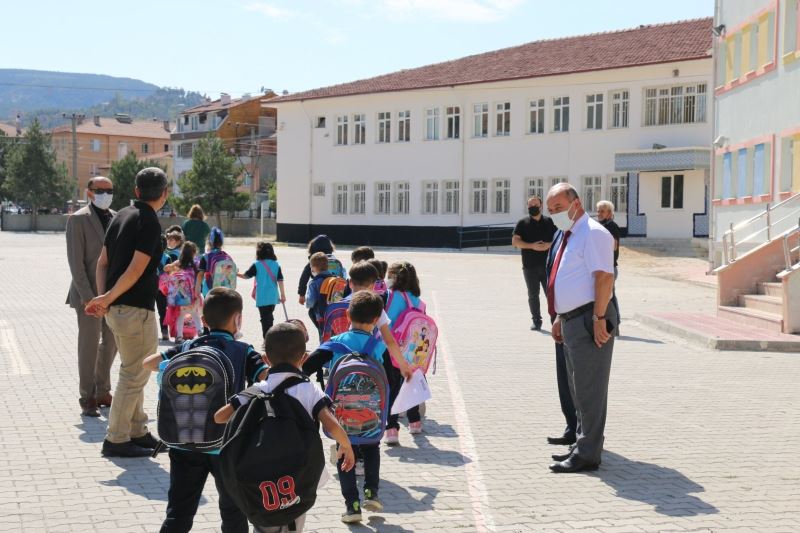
(762, 310)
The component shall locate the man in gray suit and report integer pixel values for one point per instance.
(86, 229)
(579, 289)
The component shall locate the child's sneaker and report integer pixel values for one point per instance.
(178, 340)
(392, 437)
(371, 501)
(353, 514)
(415, 428)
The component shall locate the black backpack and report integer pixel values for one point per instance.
(194, 385)
(271, 460)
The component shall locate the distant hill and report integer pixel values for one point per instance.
(27, 90)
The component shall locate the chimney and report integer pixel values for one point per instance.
(167, 126)
(97, 120)
(225, 98)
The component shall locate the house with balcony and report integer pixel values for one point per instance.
(756, 186)
(246, 129)
(422, 156)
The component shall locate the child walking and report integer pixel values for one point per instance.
(185, 299)
(268, 284)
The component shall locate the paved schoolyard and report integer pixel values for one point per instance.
(696, 440)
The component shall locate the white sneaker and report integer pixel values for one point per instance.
(392, 437)
(415, 428)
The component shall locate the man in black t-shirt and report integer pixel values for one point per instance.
(533, 235)
(605, 215)
(127, 283)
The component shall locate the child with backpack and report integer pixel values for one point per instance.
(359, 390)
(172, 249)
(177, 284)
(324, 289)
(404, 297)
(380, 285)
(320, 243)
(267, 285)
(362, 253)
(197, 379)
(264, 457)
(216, 267)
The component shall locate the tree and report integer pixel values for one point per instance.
(123, 176)
(213, 180)
(32, 174)
(5, 146)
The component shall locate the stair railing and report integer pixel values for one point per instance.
(772, 218)
(788, 250)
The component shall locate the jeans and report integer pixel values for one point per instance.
(266, 318)
(188, 472)
(395, 379)
(136, 334)
(535, 278)
(370, 453)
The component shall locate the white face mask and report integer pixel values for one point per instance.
(102, 201)
(562, 220)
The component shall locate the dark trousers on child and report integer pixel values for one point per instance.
(266, 318)
(370, 454)
(161, 304)
(395, 379)
(188, 472)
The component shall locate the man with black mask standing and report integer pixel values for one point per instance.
(533, 235)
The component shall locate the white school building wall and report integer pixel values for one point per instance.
(309, 157)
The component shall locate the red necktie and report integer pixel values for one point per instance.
(551, 281)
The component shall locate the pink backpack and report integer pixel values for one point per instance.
(178, 287)
(416, 333)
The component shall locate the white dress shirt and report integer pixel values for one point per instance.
(590, 249)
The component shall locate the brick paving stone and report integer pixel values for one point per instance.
(696, 439)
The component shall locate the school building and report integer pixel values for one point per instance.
(416, 156)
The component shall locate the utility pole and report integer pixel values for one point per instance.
(75, 117)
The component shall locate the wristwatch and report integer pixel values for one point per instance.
(596, 318)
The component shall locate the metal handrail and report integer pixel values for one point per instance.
(484, 228)
(729, 240)
(787, 251)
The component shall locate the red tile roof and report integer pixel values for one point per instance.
(9, 129)
(217, 104)
(148, 129)
(645, 45)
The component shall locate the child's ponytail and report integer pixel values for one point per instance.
(405, 278)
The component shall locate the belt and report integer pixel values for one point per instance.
(578, 311)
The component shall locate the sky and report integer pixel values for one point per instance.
(240, 46)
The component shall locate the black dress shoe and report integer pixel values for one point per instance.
(124, 449)
(537, 325)
(558, 457)
(563, 440)
(575, 463)
(146, 441)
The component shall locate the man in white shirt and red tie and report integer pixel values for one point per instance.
(579, 291)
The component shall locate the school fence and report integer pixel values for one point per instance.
(486, 235)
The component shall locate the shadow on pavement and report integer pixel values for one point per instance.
(435, 429)
(426, 453)
(639, 339)
(94, 429)
(666, 489)
(141, 476)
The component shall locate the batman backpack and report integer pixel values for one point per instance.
(272, 460)
(194, 385)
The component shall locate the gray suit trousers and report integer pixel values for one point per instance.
(589, 368)
(96, 351)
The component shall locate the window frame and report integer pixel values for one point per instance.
(341, 198)
(534, 186)
(597, 187)
(618, 192)
(479, 196)
(383, 197)
(619, 109)
(560, 106)
(342, 133)
(359, 128)
(594, 112)
(430, 197)
(451, 190)
(538, 110)
(433, 123)
(383, 131)
(480, 120)
(358, 204)
(402, 192)
(664, 98)
(502, 116)
(404, 126)
(452, 122)
(672, 189)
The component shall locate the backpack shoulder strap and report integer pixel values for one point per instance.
(289, 382)
(371, 343)
(389, 300)
(335, 347)
(269, 271)
(407, 299)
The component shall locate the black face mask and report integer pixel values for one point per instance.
(534, 211)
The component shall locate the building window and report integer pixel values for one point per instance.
(558, 179)
(760, 170)
(122, 150)
(359, 129)
(619, 109)
(247, 179)
(340, 199)
(321, 122)
(185, 150)
(359, 198)
(619, 193)
(679, 104)
(791, 21)
(790, 166)
(481, 120)
(432, 124)
(383, 198)
(402, 197)
(534, 187)
(536, 116)
(341, 130)
(672, 192)
(166, 148)
(430, 199)
(502, 196)
(319, 189)
(503, 119)
(592, 192)
(453, 122)
(452, 198)
(594, 111)
(384, 127)
(561, 113)
(145, 148)
(480, 193)
(95, 145)
(194, 123)
(404, 126)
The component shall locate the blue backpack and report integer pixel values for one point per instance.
(335, 321)
(360, 392)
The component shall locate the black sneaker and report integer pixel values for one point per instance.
(536, 326)
(371, 501)
(124, 449)
(353, 514)
(146, 441)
